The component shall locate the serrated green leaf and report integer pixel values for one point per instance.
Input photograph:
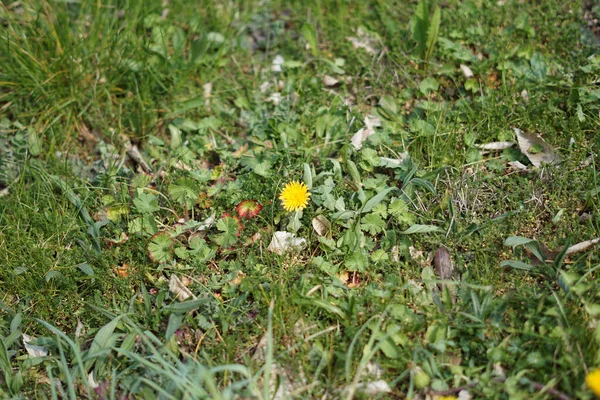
(161, 247)
(146, 203)
(230, 228)
(185, 191)
(372, 223)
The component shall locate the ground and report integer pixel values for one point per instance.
(438, 239)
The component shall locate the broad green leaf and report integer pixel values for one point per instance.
(310, 34)
(420, 25)
(185, 306)
(429, 84)
(34, 142)
(417, 228)
(184, 191)
(308, 176)
(146, 203)
(86, 269)
(514, 241)
(161, 247)
(433, 31)
(378, 198)
(357, 262)
(517, 265)
(230, 228)
(354, 173)
(372, 223)
(175, 321)
(104, 337)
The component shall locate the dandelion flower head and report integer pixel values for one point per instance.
(592, 380)
(294, 196)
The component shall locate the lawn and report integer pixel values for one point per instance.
(322, 199)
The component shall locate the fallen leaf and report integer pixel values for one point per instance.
(207, 223)
(179, 289)
(364, 41)
(92, 382)
(207, 93)
(248, 208)
(375, 388)
(122, 271)
(33, 350)
(518, 165)
(321, 225)
(464, 395)
(330, 81)
(277, 63)
(529, 141)
(393, 162)
(442, 263)
(583, 246)
(283, 242)
(466, 71)
(275, 98)
(371, 122)
(419, 256)
(495, 146)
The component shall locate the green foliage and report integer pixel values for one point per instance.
(126, 131)
(425, 29)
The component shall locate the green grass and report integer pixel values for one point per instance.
(91, 237)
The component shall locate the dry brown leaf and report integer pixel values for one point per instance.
(442, 263)
(321, 225)
(283, 242)
(583, 246)
(529, 140)
(33, 350)
(494, 146)
(371, 122)
(466, 71)
(179, 289)
(330, 81)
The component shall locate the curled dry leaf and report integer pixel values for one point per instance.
(466, 71)
(494, 146)
(33, 350)
(536, 149)
(375, 388)
(330, 81)
(583, 246)
(518, 165)
(283, 242)
(364, 41)
(442, 263)
(321, 225)
(277, 63)
(420, 257)
(179, 289)
(371, 122)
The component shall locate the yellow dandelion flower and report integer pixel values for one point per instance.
(294, 196)
(592, 380)
(447, 398)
